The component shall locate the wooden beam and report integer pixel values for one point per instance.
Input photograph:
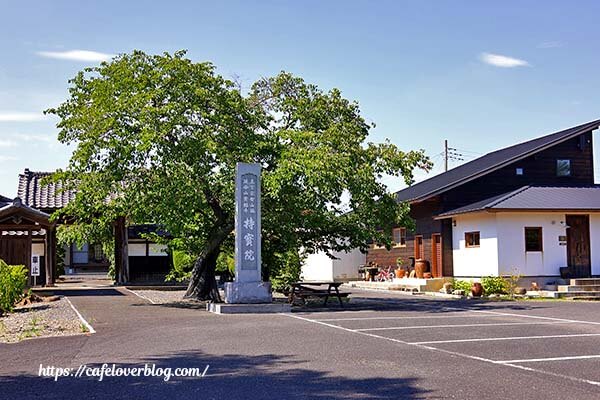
(121, 251)
(28, 258)
(49, 258)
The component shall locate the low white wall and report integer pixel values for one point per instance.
(317, 267)
(511, 243)
(475, 261)
(346, 267)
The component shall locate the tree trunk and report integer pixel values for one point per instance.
(203, 285)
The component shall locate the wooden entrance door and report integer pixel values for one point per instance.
(436, 255)
(578, 245)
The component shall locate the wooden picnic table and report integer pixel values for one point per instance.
(307, 289)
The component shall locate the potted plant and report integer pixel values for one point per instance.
(400, 272)
(477, 289)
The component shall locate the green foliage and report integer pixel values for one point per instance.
(13, 279)
(226, 263)
(494, 285)
(512, 281)
(60, 260)
(462, 285)
(286, 270)
(182, 266)
(160, 136)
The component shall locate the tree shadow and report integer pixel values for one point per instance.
(228, 377)
(368, 302)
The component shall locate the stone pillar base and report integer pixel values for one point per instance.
(248, 292)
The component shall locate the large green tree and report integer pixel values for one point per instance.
(157, 138)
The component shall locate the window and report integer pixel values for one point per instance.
(471, 239)
(563, 167)
(533, 239)
(399, 237)
(519, 171)
(419, 247)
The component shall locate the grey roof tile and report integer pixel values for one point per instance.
(537, 198)
(487, 163)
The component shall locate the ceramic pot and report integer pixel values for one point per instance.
(477, 289)
(400, 273)
(420, 267)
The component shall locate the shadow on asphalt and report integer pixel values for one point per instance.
(87, 292)
(228, 377)
(364, 302)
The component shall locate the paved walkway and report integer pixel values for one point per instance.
(366, 350)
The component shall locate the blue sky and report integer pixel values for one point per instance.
(483, 75)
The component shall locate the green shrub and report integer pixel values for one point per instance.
(462, 285)
(494, 285)
(285, 270)
(13, 279)
(183, 263)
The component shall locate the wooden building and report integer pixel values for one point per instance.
(439, 205)
(26, 231)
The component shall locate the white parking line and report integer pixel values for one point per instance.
(410, 317)
(141, 296)
(454, 353)
(83, 321)
(509, 338)
(391, 328)
(528, 360)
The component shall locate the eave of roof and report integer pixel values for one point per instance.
(469, 171)
(535, 198)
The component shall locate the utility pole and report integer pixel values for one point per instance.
(445, 155)
(450, 153)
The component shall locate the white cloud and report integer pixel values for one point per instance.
(7, 143)
(7, 158)
(77, 55)
(550, 45)
(8, 116)
(501, 61)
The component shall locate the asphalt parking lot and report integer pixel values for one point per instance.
(379, 346)
(549, 342)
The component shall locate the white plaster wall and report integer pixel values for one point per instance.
(346, 267)
(155, 249)
(37, 249)
(475, 261)
(136, 249)
(511, 243)
(317, 267)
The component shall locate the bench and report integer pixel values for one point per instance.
(304, 290)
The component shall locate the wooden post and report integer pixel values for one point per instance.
(49, 256)
(28, 256)
(121, 251)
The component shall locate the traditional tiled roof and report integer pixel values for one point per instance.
(537, 198)
(43, 197)
(488, 163)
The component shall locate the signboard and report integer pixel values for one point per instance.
(247, 229)
(35, 265)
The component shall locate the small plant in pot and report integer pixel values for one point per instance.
(400, 272)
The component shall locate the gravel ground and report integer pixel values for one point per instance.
(55, 318)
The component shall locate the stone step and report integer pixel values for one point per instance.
(585, 281)
(578, 288)
(578, 294)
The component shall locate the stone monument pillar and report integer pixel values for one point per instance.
(248, 286)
